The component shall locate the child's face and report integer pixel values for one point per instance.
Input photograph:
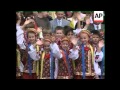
(31, 37)
(59, 33)
(47, 46)
(84, 38)
(95, 38)
(46, 36)
(65, 45)
(69, 35)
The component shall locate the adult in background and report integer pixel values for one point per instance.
(42, 21)
(95, 25)
(46, 15)
(59, 21)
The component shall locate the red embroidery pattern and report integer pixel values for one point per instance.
(46, 68)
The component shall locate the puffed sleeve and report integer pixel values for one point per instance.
(33, 53)
(77, 31)
(20, 37)
(74, 54)
(56, 68)
(21, 67)
(97, 69)
(56, 51)
(98, 56)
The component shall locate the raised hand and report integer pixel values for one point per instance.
(74, 40)
(88, 21)
(78, 17)
(39, 42)
(39, 30)
(28, 21)
(100, 44)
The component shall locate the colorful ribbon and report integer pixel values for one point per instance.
(92, 53)
(67, 60)
(102, 65)
(83, 61)
(51, 66)
(43, 55)
(29, 62)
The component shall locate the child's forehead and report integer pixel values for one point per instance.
(84, 34)
(46, 33)
(31, 33)
(46, 43)
(95, 35)
(70, 32)
(59, 30)
(65, 42)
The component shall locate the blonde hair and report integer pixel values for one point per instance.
(86, 31)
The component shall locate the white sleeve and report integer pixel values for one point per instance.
(55, 50)
(74, 54)
(56, 68)
(20, 37)
(77, 31)
(97, 69)
(91, 21)
(33, 53)
(21, 67)
(98, 56)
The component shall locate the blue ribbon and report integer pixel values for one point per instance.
(51, 66)
(83, 61)
(29, 62)
(67, 60)
(102, 65)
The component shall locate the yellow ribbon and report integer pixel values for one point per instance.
(73, 62)
(18, 61)
(91, 49)
(43, 55)
(37, 68)
(18, 57)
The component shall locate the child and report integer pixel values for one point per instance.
(48, 65)
(30, 64)
(97, 45)
(59, 34)
(21, 45)
(69, 33)
(102, 33)
(65, 67)
(84, 64)
(47, 33)
(19, 65)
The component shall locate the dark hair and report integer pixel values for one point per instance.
(22, 19)
(27, 14)
(30, 25)
(67, 15)
(95, 32)
(68, 29)
(47, 31)
(59, 28)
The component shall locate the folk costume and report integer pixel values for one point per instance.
(84, 65)
(65, 66)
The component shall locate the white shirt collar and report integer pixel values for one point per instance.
(60, 22)
(99, 26)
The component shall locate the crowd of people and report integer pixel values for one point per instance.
(59, 45)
